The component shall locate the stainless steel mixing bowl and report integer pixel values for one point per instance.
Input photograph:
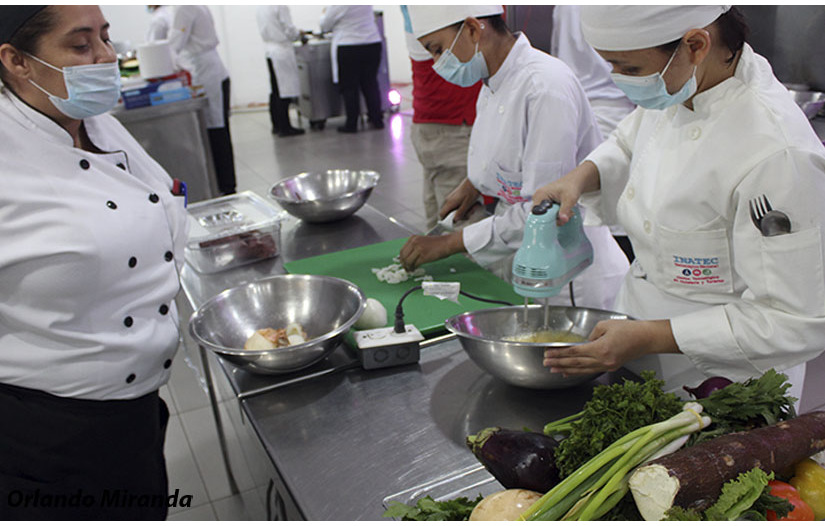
(325, 306)
(487, 337)
(321, 197)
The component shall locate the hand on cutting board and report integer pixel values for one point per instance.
(462, 200)
(612, 344)
(424, 249)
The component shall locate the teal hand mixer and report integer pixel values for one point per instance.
(550, 256)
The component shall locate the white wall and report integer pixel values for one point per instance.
(241, 46)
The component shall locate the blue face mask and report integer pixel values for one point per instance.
(463, 74)
(93, 89)
(650, 91)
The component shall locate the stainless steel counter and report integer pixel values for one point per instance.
(333, 446)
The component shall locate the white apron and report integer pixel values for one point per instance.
(283, 60)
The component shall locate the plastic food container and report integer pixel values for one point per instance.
(231, 231)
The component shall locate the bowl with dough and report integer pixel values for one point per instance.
(509, 342)
(279, 324)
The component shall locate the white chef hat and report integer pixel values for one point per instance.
(629, 27)
(426, 19)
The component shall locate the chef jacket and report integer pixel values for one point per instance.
(533, 125)
(92, 247)
(194, 40)
(278, 33)
(351, 25)
(159, 24)
(609, 103)
(679, 182)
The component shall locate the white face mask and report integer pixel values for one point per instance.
(93, 89)
(651, 92)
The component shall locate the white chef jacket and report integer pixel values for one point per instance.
(351, 25)
(609, 103)
(92, 247)
(278, 33)
(194, 40)
(159, 24)
(533, 125)
(679, 182)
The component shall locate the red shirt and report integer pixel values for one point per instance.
(436, 100)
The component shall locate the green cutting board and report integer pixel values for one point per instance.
(427, 313)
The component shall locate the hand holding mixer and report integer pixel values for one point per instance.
(550, 255)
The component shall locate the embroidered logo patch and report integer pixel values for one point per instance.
(509, 190)
(697, 271)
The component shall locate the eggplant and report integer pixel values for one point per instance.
(517, 459)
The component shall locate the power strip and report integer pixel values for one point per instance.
(383, 347)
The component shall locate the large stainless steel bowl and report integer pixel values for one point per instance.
(321, 197)
(488, 336)
(326, 307)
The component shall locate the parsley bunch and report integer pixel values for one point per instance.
(614, 411)
(429, 509)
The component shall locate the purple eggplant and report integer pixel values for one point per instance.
(517, 459)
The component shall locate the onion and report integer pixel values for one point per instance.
(374, 316)
(710, 385)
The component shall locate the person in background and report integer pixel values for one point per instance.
(609, 103)
(533, 124)
(711, 294)
(278, 33)
(356, 56)
(159, 23)
(443, 115)
(194, 40)
(93, 241)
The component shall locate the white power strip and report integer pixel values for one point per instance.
(383, 347)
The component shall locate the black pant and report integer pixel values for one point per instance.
(358, 69)
(70, 459)
(278, 107)
(221, 144)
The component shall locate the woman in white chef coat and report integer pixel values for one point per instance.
(713, 296)
(159, 23)
(356, 56)
(194, 39)
(278, 33)
(533, 125)
(92, 244)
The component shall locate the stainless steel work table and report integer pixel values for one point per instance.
(341, 441)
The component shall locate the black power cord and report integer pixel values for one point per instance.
(399, 312)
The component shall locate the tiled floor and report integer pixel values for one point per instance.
(192, 451)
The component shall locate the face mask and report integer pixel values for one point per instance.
(93, 89)
(463, 74)
(650, 91)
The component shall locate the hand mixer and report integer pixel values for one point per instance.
(550, 256)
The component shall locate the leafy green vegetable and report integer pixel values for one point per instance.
(612, 412)
(746, 496)
(741, 406)
(738, 495)
(429, 509)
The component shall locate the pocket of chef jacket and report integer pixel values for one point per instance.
(794, 271)
(693, 263)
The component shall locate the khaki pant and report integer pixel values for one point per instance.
(442, 152)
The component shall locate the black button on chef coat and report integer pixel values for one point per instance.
(111, 204)
(168, 256)
(132, 262)
(163, 309)
(130, 378)
(84, 164)
(167, 364)
(154, 198)
(128, 321)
